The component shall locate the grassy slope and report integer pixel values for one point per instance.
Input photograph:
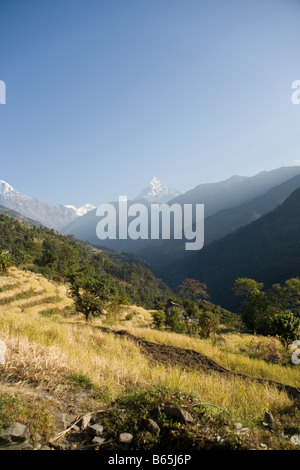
(47, 346)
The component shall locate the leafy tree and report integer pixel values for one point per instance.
(209, 323)
(244, 286)
(193, 289)
(159, 318)
(287, 326)
(273, 312)
(286, 297)
(175, 322)
(92, 296)
(254, 310)
(5, 261)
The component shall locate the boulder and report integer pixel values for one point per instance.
(178, 413)
(16, 432)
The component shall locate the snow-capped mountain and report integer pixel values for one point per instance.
(157, 192)
(50, 215)
(81, 210)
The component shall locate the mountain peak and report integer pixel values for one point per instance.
(157, 192)
(6, 189)
(81, 210)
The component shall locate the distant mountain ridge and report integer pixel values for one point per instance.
(263, 190)
(267, 250)
(52, 216)
(235, 190)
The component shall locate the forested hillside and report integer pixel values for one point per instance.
(267, 250)
(60, 257)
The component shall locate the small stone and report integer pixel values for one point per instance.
(295, 439)
(152, 426)
(243, 430)
(85, 421)
(126, 438)
(98, 440)
(95, 429)
(238, 425)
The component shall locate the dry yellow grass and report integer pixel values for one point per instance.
(116, 363)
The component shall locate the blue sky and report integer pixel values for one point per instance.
(104, 94)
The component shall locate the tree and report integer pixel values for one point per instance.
(175, 322)
(92, 296)
(244, 286)
(5, 261)
(287, 326)
(209, 323)
(255, 308)
(193, 289)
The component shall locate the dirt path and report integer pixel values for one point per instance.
(194, 360)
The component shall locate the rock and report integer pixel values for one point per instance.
(243, 430)
(84, 394)
(155, 412)
(95, 429)
(125, 438)
(98, 440)
(2, 352)
(85, 421)
(269, 420)
(263, 446)
(16, 432)
(181, 415)
(295, 439)
(152, 426)
(238, 425)
(65, 420)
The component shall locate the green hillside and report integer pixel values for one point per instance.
(60, 257)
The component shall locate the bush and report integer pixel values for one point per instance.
(287, 326)
(159, 318)
(175, 322)
(209, 323)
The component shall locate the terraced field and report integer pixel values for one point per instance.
(57, 361)
(25, 292)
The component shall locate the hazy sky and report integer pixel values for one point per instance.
(102, 95)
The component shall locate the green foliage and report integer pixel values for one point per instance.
(245, 286)
(209, 323)
(79, 380)
(193, 289)
(174, 321)
(274, 312)
(5, 261)
(92, 296)
(159, 318)
(61, 257)
(286, 326)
